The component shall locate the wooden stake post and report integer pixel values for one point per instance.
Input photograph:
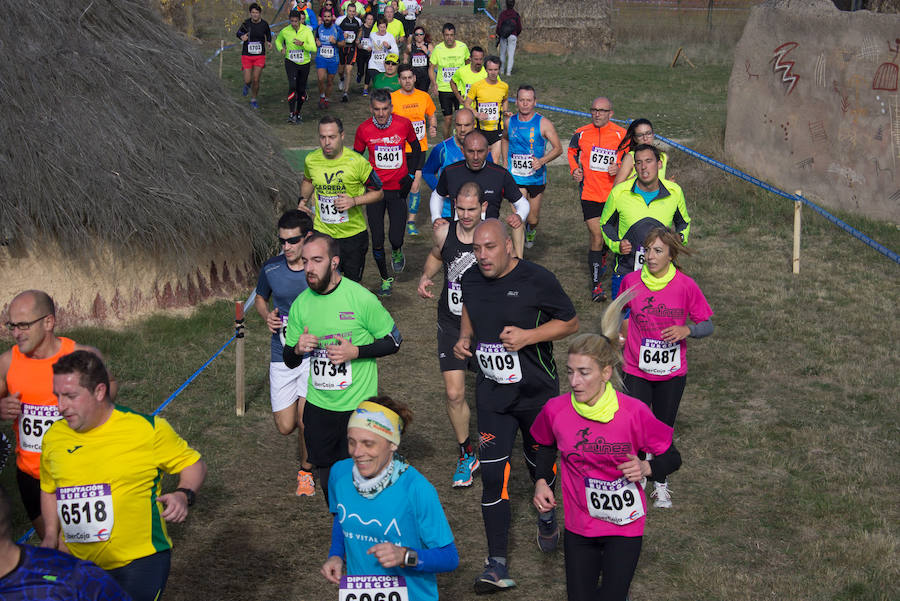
(798, 205)
(239, 358)
(221, 56)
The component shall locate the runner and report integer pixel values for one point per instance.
(635, 207)
(383, 136)
(656, 344)
(307, 9)
(26, 388)
(446, 153)
(446, 58)
(389, 80)
(376, 487)
(329, 39)
(394, 26)
(512, 311)
(297, 44)
(418, 52)
(640, 131)
(345, 328)
(256, 37)
(101, 480)
(410, 12)
(465, 76)
(342, 183)
(488, 98)
(351, 25)
(452, 249)
(383, 44)
(524, 148)
(282, 279)
(593, 163)
(600, 432)
(364, 53)
(416, 106)
(496, 182)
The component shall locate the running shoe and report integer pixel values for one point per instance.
(254, 104)
(322, 103)
(663, 495)
(306, 484)
(466, 467)
(387, 286)
(292, 118)
(341, 84)
(548, 534)
(365, 92)
(597, 294)
(411, 228)
(246, 90)
(345, 98)
(398, 261)
(494, 578)
(529, 238)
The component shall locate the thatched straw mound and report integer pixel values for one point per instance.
(574, 26)
(123, 156)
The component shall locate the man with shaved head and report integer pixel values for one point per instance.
(26, 387)
(512, 312)
(594, 162)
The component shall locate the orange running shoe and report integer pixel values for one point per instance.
(306, 484)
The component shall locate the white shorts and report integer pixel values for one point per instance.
(287, 384)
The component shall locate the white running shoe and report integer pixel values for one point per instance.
(663, 495)
(341, 85)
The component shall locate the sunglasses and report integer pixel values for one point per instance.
(389, 63)
(291, 240)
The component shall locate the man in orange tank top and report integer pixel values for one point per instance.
(26, 388)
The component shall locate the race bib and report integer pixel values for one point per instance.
(498, 364)
(373, 588)
(379, 56)
(388, 157)
(349, 36)
(295, 56)
(419, 126)
(325, 375)
(447, 73)
(521, 165)
(602, 158)
(366, 44)
(254, 47)
(33, 423)
(658, 357)
(639, 258)
(491, 109)
(419, 60)
(617, 502)
(85, 512)
(454, 297)
(326, 51)
(328, 213)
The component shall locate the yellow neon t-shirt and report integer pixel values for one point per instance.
(447, 61)
(489, 98)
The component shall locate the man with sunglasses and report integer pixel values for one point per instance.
(593, 163)
(282, 279)
(390, 79)
(26, 388)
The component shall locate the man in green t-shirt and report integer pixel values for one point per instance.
(389, 79)
(446, 58)
(335, 185)
(344, 328)
(465, 76)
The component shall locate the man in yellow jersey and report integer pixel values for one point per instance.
(335, 186)
(488, 99)
(415, 105)
(101, 479)
(446, 58)
(466, 76)
(26, 388)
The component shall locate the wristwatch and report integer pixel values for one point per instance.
(411, 559)
(191, 495)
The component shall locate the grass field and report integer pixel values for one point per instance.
(788, 489)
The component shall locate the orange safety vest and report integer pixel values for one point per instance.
(33, 379)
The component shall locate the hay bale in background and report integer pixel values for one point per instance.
(554, 27)
(131, 181)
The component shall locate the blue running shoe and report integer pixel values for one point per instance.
(494, 578)
(466, 467)
(254, 104)
(246, 90)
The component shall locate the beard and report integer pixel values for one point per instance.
(322, 284)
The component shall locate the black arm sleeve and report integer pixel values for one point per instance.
(663, 465)
(382, 347)
(290, 358)
(546, 457)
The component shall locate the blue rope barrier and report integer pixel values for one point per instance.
(485, 11)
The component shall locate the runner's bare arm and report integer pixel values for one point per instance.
(306, 192)
(548, 130)
(51, 521)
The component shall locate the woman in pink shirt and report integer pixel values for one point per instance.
(599, 433)
(655, 346)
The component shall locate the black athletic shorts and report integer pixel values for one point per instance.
(347, 56)
(492, 136)
(325, 433)
(352, 251)
(533, 191)
(447, 337)
(449, 103)
(591, 209)
(30, 491)
(409, 164)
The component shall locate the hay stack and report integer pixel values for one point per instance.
(131, 182)
(553, 27)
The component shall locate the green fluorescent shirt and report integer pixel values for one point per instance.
(300, 54)
(356, 315)
(464, 78)
(346, 174)
(448, 60)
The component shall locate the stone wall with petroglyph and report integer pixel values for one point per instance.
(813, 104)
